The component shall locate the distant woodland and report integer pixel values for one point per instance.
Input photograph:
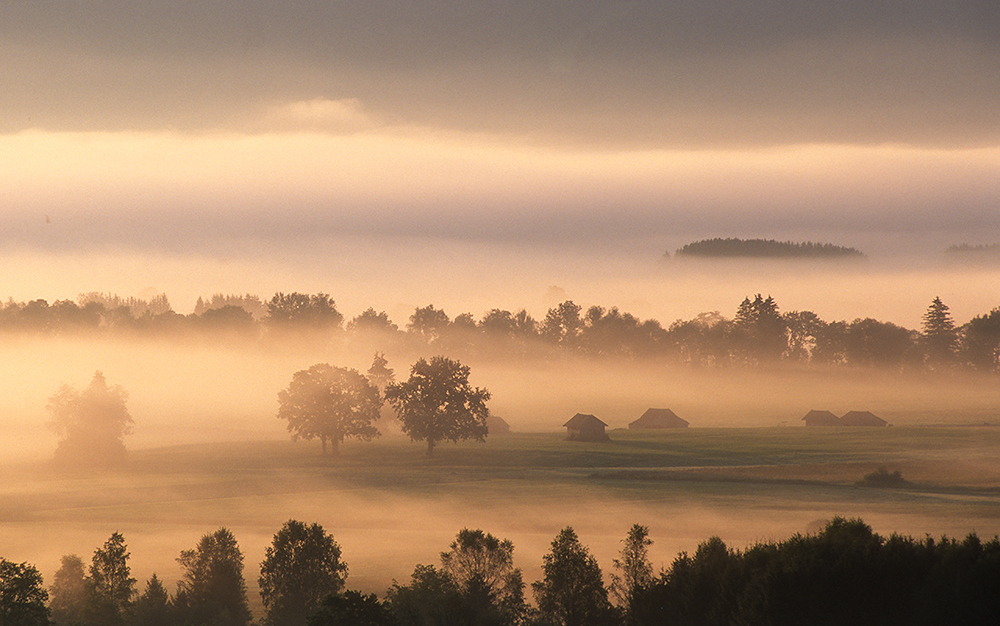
(845, 574)
(982, 251)
(757, 334)
(766, 248)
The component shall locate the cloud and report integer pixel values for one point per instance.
(643, 73)
(320, 114)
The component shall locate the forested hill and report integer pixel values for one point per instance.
(765, 248)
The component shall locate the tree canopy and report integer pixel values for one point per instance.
(572, 592)
(92, 422)
(110, 584)
(939, 334)
(633, 571)
(482, 567)
(212, 589)
(22, 595)
(68, 591)
(330, 403)
(301, 567)
(437, 403)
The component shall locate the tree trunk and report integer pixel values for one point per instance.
(430, 447)
(323, 439)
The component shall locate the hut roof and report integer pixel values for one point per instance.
(581, 420)
(862, 418)
(497, 425)
(821, 418)
(659, 418)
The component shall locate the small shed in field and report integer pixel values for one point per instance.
(658, 418)
(585, 427)
(862, 418)
(821, 418)
(497, 425)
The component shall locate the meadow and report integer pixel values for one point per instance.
(391, 507)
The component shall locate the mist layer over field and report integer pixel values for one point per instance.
(186, 390)
(390, 507)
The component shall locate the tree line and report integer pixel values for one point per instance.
(765, 248)
(758, 333)
(844, 574)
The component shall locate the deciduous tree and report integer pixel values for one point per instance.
(22, 595)
(92, 422)
(300, 568)
(429, 324)
(981, 342)
(317, 311)
(633, 570)
(330, 403)
(110, 585)
(482, 567)
(68, 592)
(352, 608)
(437, 403)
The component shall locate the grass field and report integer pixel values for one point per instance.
(390, 507)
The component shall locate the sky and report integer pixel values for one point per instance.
(403, 153)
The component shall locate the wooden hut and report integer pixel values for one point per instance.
(821, 418)
(862, 418)
(658, 418)
(585, 427)
(497, 425)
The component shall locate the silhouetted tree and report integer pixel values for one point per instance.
(248, 302)
(110, 586)
(300, 568)
(498, 324)
(611, 332)
(804, 329)
(431, 599)
(67, 316)
(508, 332)
(212, 589)
(429, 324)
(153, 607)
(352, 609)
(759, 332)
(68, 592)
(939, 335)
(380, 374)
(980, 347)
(563, 324)
(437, 403)
(482, 567)
(229, 318)
(22, 595)
(831, 344)
(317, 312)
(464, 322)
(330, 403)
(634, 572)
(871, 343)
(137, 307)
(92, 423)
(371, 321)
(572, 592)
(700, 341)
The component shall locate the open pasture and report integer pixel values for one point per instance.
(391, 507)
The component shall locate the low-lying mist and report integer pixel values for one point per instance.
(193, 391)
